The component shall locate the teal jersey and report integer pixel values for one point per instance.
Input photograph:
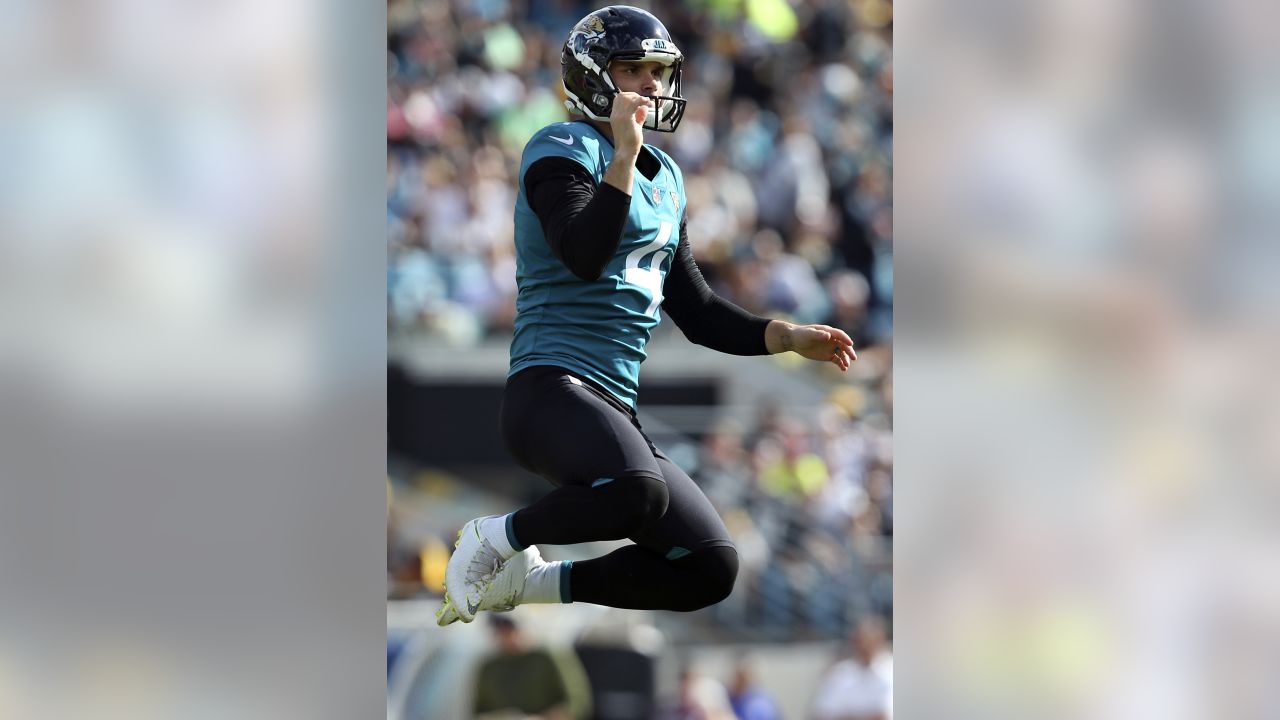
(597, 329)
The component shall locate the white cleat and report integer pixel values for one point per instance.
(472, 566)
(504, 592)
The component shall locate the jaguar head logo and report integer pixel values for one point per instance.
(590, 29)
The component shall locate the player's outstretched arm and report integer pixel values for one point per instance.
(711, 321)
(816, 342)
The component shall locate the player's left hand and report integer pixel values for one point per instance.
(823, 343)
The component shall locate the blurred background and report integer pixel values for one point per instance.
(1086, 343)
(192, 359)
(786, 153)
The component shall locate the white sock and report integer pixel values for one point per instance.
(494, 530)
(542, 584)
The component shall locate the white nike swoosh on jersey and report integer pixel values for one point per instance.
(566, 141)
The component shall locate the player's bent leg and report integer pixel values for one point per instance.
(609, 484)
(636, 578)
(630, 577)
(685, 561)
(610, 508)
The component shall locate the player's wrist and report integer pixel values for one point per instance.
(779, 337)
(626, 151)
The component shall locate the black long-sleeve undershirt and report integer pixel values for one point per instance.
(583, 224)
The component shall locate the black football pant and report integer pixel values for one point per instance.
(612, 483)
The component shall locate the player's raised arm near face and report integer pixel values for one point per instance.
(625, 121)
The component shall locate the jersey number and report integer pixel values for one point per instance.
(649, 278)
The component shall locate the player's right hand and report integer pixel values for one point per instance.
(627, 120)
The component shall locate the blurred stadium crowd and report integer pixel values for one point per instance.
(810, 508)
(786, 152)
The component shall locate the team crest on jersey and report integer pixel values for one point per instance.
(657, 195)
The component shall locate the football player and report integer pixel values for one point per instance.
(601, 246)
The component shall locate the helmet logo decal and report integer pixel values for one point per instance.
(591, 28)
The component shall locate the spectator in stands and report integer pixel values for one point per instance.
(404, 564)
(701, 698)
(859, 687)
(722, 465)
(799, 473)
(532, 681)
(749, 700)
(850, 294)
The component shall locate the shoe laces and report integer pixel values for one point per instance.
(484, 564)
